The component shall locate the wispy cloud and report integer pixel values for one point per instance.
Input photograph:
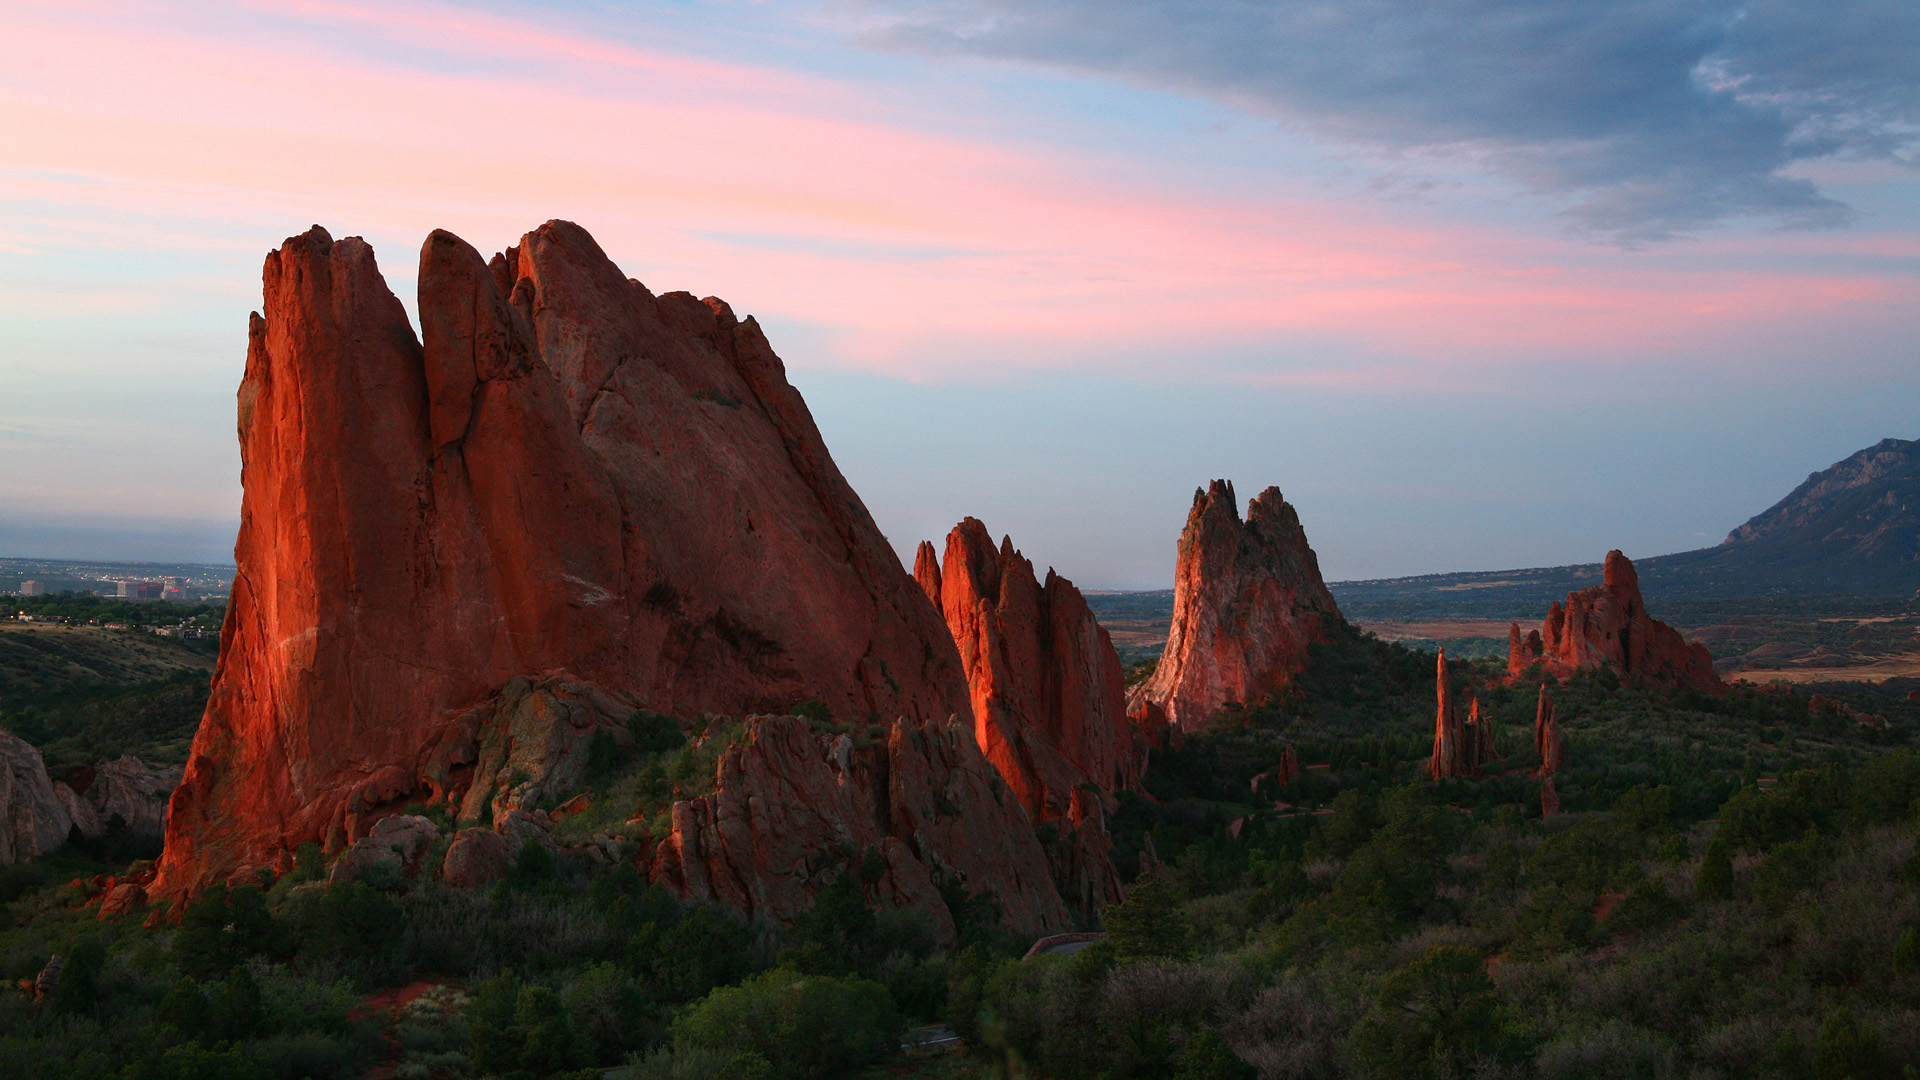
(1651, 118)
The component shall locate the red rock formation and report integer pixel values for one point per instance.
(1247, 601)
(1607, 626)
(1552, 750)
(1048, 693)
(608, 494)
(1522, 653)
(1459, 749)
(794, 809)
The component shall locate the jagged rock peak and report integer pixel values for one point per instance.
(1607, 626)
(1047, 693)
(1248, 600)
(461, 554)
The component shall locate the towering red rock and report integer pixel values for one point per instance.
(1547, 742)
(1459, 749)
(462, 553)
(1247, 601)
(1047, 690)
(1607, 626)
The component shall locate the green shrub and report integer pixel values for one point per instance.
(810, 1027)
(1714, 879)
(1431, 1018)
(1208, 1057)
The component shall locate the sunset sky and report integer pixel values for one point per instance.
(1480, 284)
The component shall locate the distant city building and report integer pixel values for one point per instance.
(32, 588)
(138, 590)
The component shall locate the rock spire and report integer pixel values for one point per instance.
(1046, 685)
(1248, 601)
(1551, 748)
(1459, 748)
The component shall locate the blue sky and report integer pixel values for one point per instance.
(1477, 285)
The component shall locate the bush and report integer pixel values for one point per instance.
(1208, 1057)
(1433, 1017)
(811, 1027)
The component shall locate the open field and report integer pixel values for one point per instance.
(40, 658)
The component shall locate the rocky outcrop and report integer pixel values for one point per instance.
(1522, 652)
(1460, 748)
(476, 857)
(1607, 626)
(610, 495)
(1248, 601)
(391, 850)
(34, 818)
(794, 809)
(1049, 708)
(131, 790)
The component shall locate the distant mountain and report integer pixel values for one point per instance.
(1850, 530)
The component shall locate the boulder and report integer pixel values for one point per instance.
(134, 791)
(393, 846)
(34, 816)
(476, 857)
(464, 554)
(1248, 600)
(122, 899)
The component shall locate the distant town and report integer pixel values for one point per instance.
(186, 583)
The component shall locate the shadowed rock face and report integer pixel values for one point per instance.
(1607, 626)
(1248, 600)
(1049, 708)
(34, 817)
(612, 497)
(792, 806)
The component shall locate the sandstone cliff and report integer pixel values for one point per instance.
(464, 552)
(1248, 600)
(1607, 626)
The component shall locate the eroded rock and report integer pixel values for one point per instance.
(1248, 601)
(1608, 627)
(1049, 707)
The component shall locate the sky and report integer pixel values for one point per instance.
(1477, 284)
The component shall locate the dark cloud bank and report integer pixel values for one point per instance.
(1650, 118)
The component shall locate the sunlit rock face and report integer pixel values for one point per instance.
(462, 554)
(1608, 627)
(1248, 600)
(1049, 708)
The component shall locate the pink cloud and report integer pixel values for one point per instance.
(921, 254)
